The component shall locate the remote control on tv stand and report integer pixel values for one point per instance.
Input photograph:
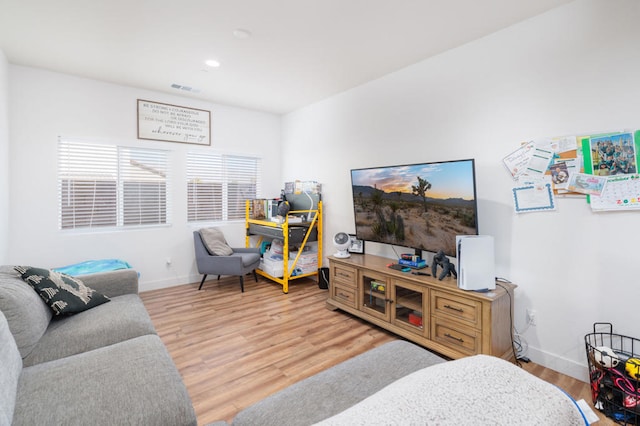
(398, 267)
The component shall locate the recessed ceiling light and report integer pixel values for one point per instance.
(212, 63)
(241, 34)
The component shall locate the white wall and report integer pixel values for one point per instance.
(45, 105)
(569, 71)
(4, 158)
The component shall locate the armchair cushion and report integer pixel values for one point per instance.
(248, 258)
(63, 293)
(215, 242)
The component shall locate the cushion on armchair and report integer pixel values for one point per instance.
(215, 242)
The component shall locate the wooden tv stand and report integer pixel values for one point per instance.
(432, 313)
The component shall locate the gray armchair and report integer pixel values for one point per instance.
(240, 262)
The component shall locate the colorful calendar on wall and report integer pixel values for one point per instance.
(620, 193)
(614, 156)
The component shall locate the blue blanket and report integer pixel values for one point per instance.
(93, 266)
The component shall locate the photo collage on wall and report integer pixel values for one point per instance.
(602, 168)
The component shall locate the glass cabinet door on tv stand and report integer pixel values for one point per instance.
(374, 299)
(409, 309)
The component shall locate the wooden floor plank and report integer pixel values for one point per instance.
(233, 349)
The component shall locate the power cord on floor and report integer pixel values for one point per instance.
(522, 347)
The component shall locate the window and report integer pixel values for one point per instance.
(218, 185)
(111, 186)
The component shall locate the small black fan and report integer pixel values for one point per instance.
(342, 241)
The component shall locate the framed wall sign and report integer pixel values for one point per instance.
(173, 123)
(357, 246)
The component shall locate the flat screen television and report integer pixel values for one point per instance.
(419, 206)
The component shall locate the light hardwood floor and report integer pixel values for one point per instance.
(233, 349)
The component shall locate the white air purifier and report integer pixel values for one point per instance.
(342, 241)
(476, 262)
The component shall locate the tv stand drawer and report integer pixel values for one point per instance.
(343, 294)
(462, 339)
(454, 306)
(344, 275)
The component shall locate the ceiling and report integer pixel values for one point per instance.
(298, 51)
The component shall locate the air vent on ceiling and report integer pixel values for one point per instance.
(185, 88)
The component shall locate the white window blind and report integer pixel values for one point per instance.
(111, 186)
(219, 184)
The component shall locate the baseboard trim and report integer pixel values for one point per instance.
(562, 365)
(168, 282)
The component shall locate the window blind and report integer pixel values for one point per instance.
(111, 186)
(143, 175)
(219, 184)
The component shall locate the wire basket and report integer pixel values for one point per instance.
(614, 373)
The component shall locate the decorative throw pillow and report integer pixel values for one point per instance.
(214, 241)
(63, 293)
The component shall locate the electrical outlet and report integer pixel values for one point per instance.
(531, 316)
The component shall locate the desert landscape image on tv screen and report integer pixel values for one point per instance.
(418, 206)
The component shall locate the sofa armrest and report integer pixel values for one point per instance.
(113, 283)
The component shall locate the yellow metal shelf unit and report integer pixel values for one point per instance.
(266, 228)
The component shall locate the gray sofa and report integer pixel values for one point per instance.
(103, 366)
(338, 388)
(401, 383)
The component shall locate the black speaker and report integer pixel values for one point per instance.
(323, 278)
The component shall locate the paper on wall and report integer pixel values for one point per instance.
(533, 197)
(516, 162)
(541, 157)
(587, 184)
